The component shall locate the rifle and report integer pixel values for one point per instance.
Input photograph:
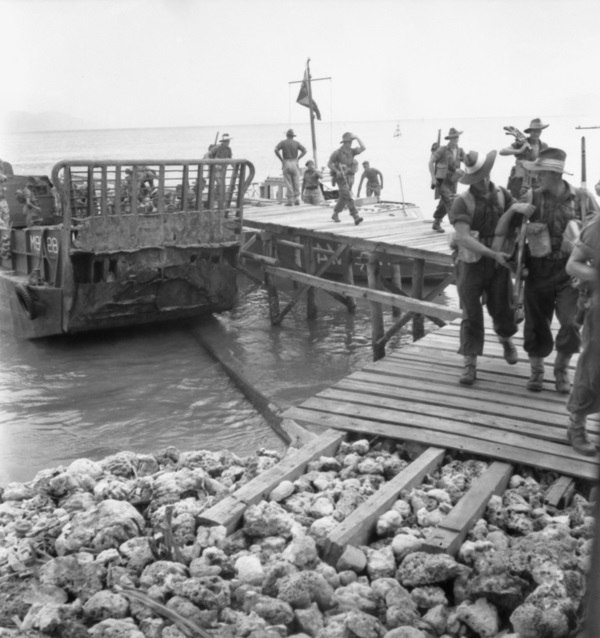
(436, 145)
(520, 274)
(517, 134)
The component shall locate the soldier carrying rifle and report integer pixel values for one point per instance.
(526, 147)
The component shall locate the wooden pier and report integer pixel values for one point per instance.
(414, 395)
(387, 260)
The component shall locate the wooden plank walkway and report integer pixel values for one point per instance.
(388, 232)
(413, 394)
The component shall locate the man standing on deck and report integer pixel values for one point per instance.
(222, 151)
(374, 181)
(343, 167)
(444, 167)
(290, 152)
(480, 263)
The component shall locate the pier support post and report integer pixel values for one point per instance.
(397, 281)
(348, 277)
(418, 277)
(378, 345)
(272, 294)
(310, 268)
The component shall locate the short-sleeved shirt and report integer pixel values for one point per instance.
(589, 240)
(344, 156)
(290, 149)
(557, 212)
(311, 178)
(223, 151)
(486, 213)
(447, 160)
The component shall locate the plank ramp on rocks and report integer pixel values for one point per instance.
(413, 395)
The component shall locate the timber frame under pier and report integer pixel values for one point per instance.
(370, 261)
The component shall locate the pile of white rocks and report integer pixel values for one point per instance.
(114, 549)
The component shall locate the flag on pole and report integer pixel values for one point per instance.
(304, 99)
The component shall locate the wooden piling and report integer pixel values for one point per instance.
(377, 330)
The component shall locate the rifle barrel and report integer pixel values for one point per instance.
(583, 165)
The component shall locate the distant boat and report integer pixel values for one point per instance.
(397, 132)
(580, 127)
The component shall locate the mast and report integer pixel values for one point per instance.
(312, 114)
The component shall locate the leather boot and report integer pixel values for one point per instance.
(469, 374)
(437, 226)
(562, 382)
(335, 217)
(511, 355)
(536, 380)
(357, 219)
(577, 436)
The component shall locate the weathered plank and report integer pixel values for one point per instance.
(379, 296)
(491, 443)
(450, 534)
(230, 510)
(357, 528)
(560, 492)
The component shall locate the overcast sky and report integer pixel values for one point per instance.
(139, 63)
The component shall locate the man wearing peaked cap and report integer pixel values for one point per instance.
(289, 152)
(524, 149)
(444, 167)
(480, 263)
(556, 205)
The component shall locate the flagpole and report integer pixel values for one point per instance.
(312, 115)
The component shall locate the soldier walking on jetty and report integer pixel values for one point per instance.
(444, 167)
(343, 167)
(548, 287)
(481, 264)
(524, 149)
(584, 266)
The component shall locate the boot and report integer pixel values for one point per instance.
(469, 374)
(561, 373)
(511, 356)
(335, 217)
(536, 380)
(357, 219)
(577, 436)
(437, 226)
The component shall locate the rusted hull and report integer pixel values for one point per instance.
(180, 292)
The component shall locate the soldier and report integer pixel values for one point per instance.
(444, 167)
(289, 151)
(343, 167)
(524, 148)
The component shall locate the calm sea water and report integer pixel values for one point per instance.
(144, 389)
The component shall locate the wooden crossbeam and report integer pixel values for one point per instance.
(229, 511)
(357, 528)
(404, 303)
(449, 535)
(340, 249)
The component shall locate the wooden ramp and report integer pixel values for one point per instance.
(413, 394)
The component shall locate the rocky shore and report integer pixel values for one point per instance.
(114, 549)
